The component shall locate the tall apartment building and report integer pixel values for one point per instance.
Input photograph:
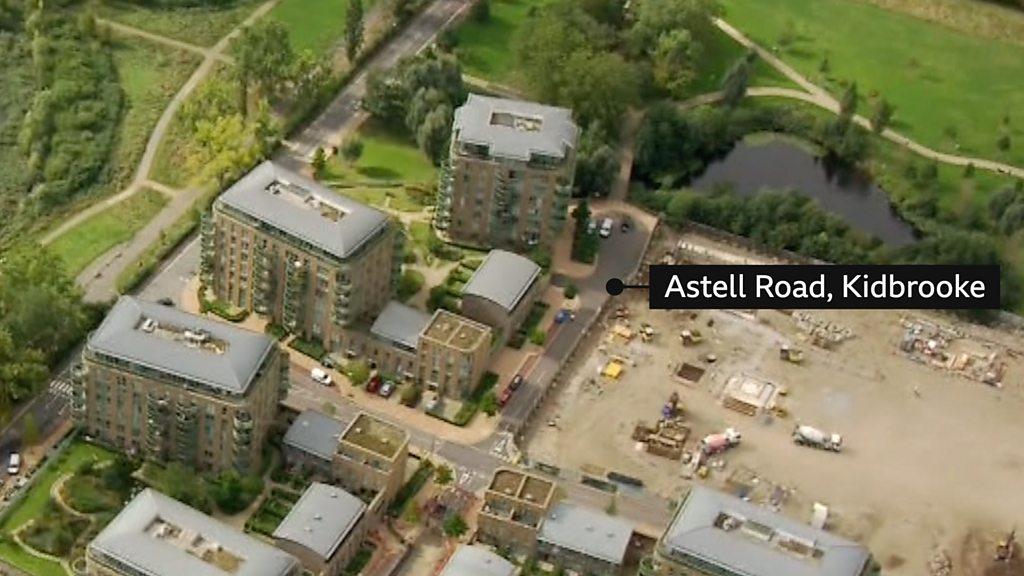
(168, 385)
(716, 534)
(155, 535)
(509, 176)
(515, 505)
(452, 354)
(286, 247)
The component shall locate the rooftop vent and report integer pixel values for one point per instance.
(149, 325)
(196, 337)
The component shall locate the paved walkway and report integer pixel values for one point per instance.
(814, 94)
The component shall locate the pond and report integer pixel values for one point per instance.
(757, 164)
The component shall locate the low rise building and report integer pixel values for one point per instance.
(325, 529)
(477, 561)
(584, 540)
(452, 354)
(715, 534)
(508, 178)
(155, 535)
(515, 505)
(311, 442)
(289, 248)
(167, 385)
(391, 344)
(502, 291)
(371, 458)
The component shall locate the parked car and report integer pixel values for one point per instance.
(387, 389)
(606, 227)
(626, 225)
(14, 464)
(373, 384)
(320, 375)
(592, 227)
(433, 402)
(516, 382)
(505, 396)
(165, 301)
(326, 362)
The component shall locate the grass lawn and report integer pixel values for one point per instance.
(952, 91)
(485, 48)
(391, 172)
(90, 239)
(34, 504)
(720, 53)
(200, 25)
(315, 25)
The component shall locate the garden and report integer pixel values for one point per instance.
(272, 511)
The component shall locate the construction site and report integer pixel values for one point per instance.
(896, 429)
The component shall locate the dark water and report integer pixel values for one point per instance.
(778, 164)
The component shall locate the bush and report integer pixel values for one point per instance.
(410, 488)
(276, 331)
(570, 291)
(538, 336)
(233, 493)
(311, 348)
(358, 372)
(411, 395)
(410, 284)
(489, 403)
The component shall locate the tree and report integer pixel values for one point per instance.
(358, 372)
(882, 115)
(22, 371)
(354, 29)
(319, 161)
(675, 61)
(596, 168)
(455, 526)
(1003, 143)
(352, 150)
(602, 86)
(848, 104)
(443, 475)
(734, 85)
(538, 337)
(233, 493)
(432, 136)
(656, 17)
(481, 11)
(263, 59)
(570, 291)
(489, 403)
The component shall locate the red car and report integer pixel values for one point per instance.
(373, 384)
(504, 396)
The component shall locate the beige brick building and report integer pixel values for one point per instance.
(452, 354)
(509, 176)
(168, 385)
(371, 458)
(515, 505)
(291, 249)
(502, 291)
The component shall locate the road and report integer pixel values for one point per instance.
(343, 112)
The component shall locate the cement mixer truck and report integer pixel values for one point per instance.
(716, 443)
(811, 436)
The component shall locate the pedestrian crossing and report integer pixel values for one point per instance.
(61, 389)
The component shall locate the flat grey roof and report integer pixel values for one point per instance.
(400, 324)
(751, 540)
(166, 339)
(159, 536)
(587, 531)
(503, 278)
(304, 209)
(477, 561)
(515, 128)
(321, 519)
(315, 433)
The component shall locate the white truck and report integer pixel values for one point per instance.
(811, 436)
(720, 442)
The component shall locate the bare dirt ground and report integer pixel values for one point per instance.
(932, 460)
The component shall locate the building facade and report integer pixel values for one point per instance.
(155, 535)
(167, 385)
(716, 534)
(508, 179)
(288, 248)
(584, 540)
(371, 458)
(502, 291)
(452, 354)
(515, 505)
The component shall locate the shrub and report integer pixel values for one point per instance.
(311, 348)
(358, 372)
(411, 395)
(409, 284)
(570, 291)
(538, 336)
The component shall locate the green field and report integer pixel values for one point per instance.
(33, 505)
(720, 53)
(99, 233)
(201, 25)
(954, 92)
(316, 25)
(485, 48)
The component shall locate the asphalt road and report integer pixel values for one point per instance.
(618, 259)
(343, 111)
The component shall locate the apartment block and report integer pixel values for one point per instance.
(167, 385)
(716, 534)
(508, 179)
(452, 354)
(515, 505)
(371, 458)
(155, 535)
(291, 249)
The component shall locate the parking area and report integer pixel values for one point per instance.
(926, 463)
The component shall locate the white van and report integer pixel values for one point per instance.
(14, 465)
(606, 227)
(321, 376)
